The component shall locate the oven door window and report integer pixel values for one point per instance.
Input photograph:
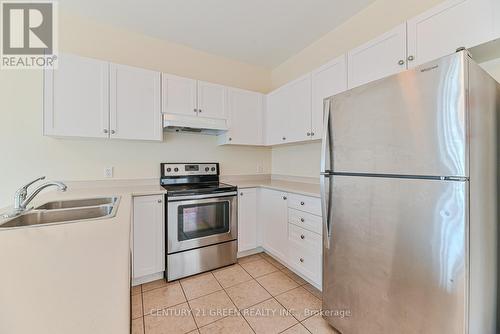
(202, 220)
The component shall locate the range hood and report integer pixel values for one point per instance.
(202, 125)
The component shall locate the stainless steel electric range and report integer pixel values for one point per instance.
(201, 219)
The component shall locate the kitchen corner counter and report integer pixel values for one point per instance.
(70, 277)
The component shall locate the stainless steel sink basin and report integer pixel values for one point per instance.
(78, 203)
(58, 212)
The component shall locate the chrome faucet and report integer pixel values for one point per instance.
(22, 199)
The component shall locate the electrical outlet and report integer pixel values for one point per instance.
(108, 172)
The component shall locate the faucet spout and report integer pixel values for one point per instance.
(61, 186)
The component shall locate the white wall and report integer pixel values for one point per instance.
(26, 154)
(297, 160)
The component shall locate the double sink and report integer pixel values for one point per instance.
(58, 212)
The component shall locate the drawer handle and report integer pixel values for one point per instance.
(284, 198)
(302, 220)
(302, 203)
(301, 260)
(302, 237)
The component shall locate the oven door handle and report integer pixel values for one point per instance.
(206, 196)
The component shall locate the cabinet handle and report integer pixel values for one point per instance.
(302, 236)
(241, 194)
(284, 198)
(195, 110)
(302, 220)
(411, 58)
(199, 110)
(230, 138)
(113, 132)
(301, 260)
(160, 201)
(302, 203)
(284, 138)
(105, 130)
(308, 134)
(401, 62)
(312, 134)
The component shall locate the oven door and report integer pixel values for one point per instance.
(201, 220)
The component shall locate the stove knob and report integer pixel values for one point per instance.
(213, 169)
(176, 169)
(169, 170)
(207, 169)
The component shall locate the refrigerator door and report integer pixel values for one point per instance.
(396, 262)
(413, 123)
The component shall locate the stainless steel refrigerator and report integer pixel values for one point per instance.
(409, 186)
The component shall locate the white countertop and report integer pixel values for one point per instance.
(302, 188)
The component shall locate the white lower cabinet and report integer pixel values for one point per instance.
(273, 222)
(148, 238)
(247, 219)
(294, 236)
(305, 253)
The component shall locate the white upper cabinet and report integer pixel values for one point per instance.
(276, 116)
(245, 110)
(179, 95)
(381, 57)
(328, 80)
(298, 115)
(211, 100)
(135, 103)
(76, 98)
(448, 26)
(288, 114)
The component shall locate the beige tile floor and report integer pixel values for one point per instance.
(256, 295)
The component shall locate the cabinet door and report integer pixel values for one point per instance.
(178, 95)
(448, 26)
(276, 122)
(247, 219)
(381, 57)
(211, 100)
(298, 114)
(76, 98)
(273, 222)
(148, 236)
(245, 117)
(135, 103)
(328, 80)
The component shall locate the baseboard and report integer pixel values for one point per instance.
(148, 278)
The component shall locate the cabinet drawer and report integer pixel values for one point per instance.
(305, 203)
(305, 220)
(309, 241)
(306, 263)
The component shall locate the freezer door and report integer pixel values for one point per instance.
(413, 123)
(397, 257)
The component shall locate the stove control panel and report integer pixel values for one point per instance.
(183, 169)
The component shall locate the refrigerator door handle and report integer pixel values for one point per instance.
(325, 209)
(325, 143)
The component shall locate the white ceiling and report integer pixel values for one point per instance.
(260, 32)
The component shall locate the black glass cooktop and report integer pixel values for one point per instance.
(198, 188)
